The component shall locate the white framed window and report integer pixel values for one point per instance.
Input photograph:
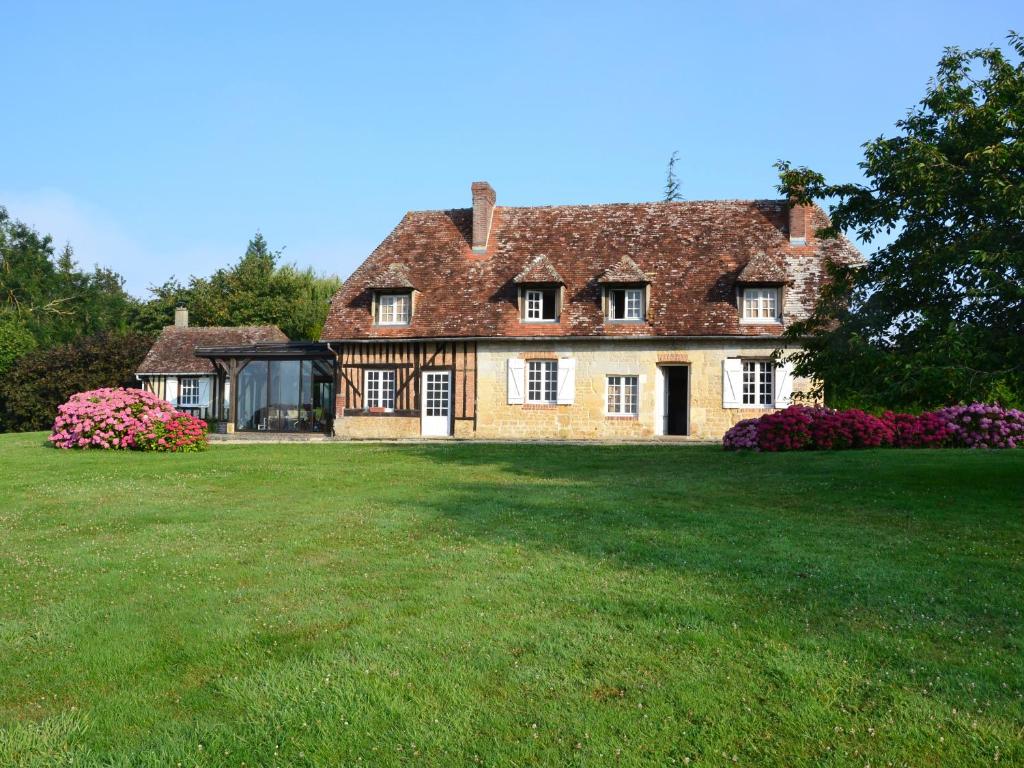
(625, 303)
(761, 305)
(542, 382)
(380, 389)
(188, 391)
(758, 383)
(393, 308)
(622, 395)
(540, 305)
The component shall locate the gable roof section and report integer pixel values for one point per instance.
(764, 269)
(539, 270)
(691, 252)
(624, 272)
(393, 276)
(174, 349)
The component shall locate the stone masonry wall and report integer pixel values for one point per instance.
(595, 360)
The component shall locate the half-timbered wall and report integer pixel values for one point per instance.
(408, 360)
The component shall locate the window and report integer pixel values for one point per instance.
(761, 304)
(758, 383)
(393, 308)
(539, 305)
(622, 395)
(542, 381)
(188, 391)
(380, 389)
(626, 304)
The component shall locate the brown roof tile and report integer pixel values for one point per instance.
(763, 268)
(625, 271)
(539, 269)
(174, 349)
(692, 253)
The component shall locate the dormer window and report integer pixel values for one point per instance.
(761, 305)
(625, 304)
(394, 308)
(540, 305)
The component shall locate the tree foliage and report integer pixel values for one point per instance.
(42, 379)
(256, 290)
(936, 316)
(672, 188)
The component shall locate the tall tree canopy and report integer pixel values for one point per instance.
(48, 295)
(937, 314)
(256, 290)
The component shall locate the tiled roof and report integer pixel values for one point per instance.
(394, 275)
(692, 253)
(764, 268)
(539, 269)
(174, 349)
(625, 271)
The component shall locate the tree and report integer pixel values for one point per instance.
(42, 379)
(15, 340)
(52, 298)
(257, 290)
(936, 315)
(672, 193)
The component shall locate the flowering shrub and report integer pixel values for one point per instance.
(926, 430)
(125, 419)
(786, 430)
(743, 435)
(984, 426)
(802, 428)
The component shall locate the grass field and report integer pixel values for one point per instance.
(333, 604)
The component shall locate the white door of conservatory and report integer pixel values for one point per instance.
(436, 404)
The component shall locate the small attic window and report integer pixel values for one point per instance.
(394, 308)
(761, 305)
(625, 303)
(540, 305)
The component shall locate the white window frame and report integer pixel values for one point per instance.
(533, 305)
(617, 403)
(542, 382)
(632, 305)
(761, 305)
(379, 389)
(189, 391)
(389, 306)
(757, 384)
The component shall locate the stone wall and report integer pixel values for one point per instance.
(585, 418)
(595, 360)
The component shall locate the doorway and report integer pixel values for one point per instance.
(437, 404)
(677, 399)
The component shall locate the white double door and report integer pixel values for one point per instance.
(436, 404)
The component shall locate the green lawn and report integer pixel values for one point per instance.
(451, 605)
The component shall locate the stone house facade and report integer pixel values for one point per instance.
(626, 321)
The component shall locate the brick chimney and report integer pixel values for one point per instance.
(181, 317)
(799, 223)
(483, 212)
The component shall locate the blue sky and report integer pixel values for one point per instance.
(157, 138)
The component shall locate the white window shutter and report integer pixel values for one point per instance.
(171, 390)
(204, 391)
(566, 381)
(732, 382)
(783, 385)
(516, 374)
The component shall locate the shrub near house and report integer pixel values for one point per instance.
(803, 428)
(126, 419)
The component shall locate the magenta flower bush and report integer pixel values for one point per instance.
(125, 419)
(802, 428)
(984, 426)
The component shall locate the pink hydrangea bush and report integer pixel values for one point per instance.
(125, 419)
(802, 428)
(923, 430)
(984, 426)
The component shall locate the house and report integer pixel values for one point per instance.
(171, 370)
(625, 321)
